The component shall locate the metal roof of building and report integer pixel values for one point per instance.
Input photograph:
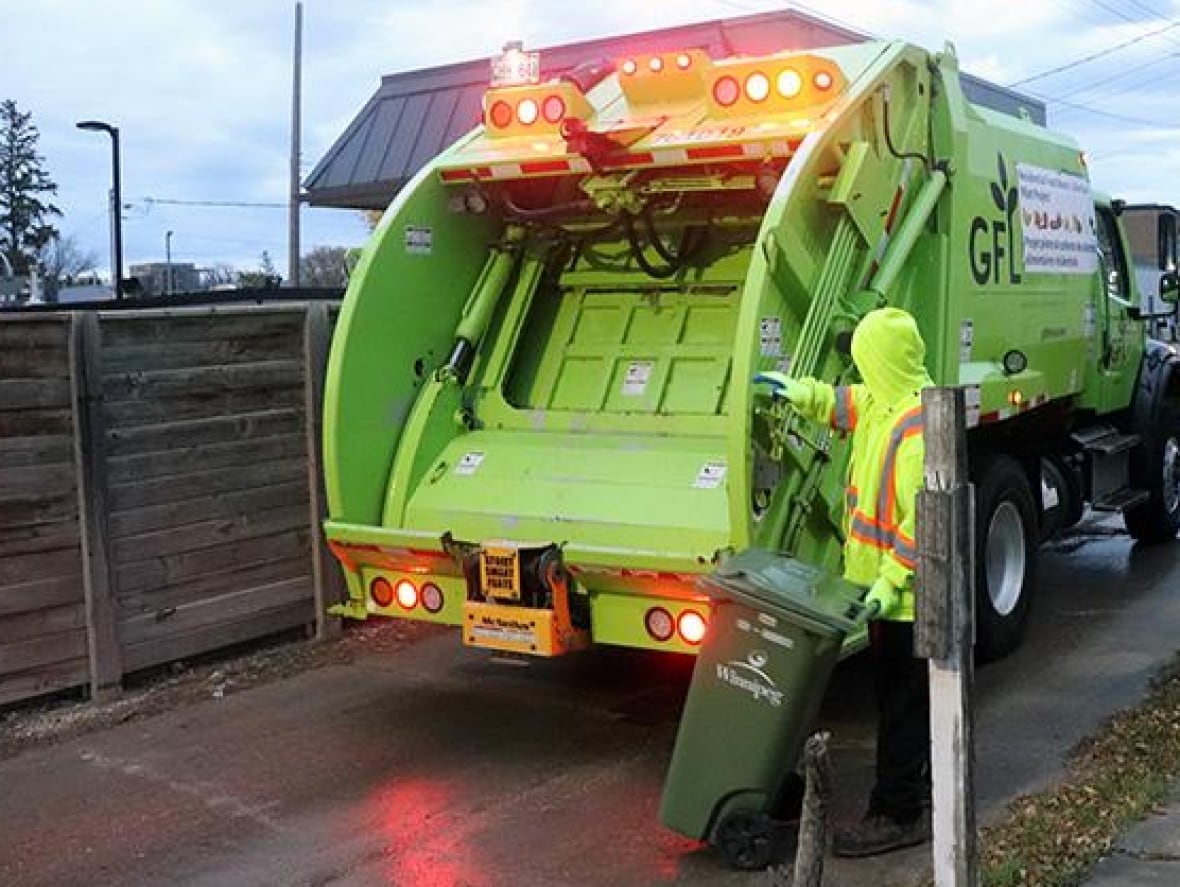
(414, 115)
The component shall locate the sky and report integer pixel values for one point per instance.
(201, 92)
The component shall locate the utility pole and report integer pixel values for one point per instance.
(945, 632)
(293, 208)
(168, 263)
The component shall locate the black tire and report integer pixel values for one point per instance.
(746, 839)
(1006, 540)
(1155, 467)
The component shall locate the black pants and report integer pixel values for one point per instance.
(903, 727)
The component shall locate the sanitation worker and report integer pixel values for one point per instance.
(883, 415)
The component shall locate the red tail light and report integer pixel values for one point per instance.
(726, 91)
(501, 114)
(381, 591)
(630, 66)
(407, 595)
(822, 80)
(684, 61)
(656, 64)
(692, 626)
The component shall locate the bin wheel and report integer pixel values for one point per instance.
(746, 839)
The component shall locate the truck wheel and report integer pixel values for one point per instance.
(1005, 556)
(1157, 519)
(746, 839)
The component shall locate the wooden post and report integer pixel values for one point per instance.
(813, 825)
(944, 632)
(90, 455)
(327, 581)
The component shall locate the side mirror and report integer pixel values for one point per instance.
(1170, 287)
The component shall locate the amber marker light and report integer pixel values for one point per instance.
(757, 87)
(789, 84)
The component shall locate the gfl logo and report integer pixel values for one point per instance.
(990, 244)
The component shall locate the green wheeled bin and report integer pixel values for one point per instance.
(774, 637)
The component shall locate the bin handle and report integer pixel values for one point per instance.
(867, 612)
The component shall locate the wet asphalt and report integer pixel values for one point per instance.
(437, 766)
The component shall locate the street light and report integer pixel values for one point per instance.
(116, 200)
(168, 261)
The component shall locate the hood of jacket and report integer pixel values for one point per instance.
(889, 352)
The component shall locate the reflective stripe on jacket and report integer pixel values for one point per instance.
(884, 476)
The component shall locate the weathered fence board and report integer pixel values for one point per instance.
(160, 600)
(194, 432)
(42, 616)
(159, 487)
(158, 563)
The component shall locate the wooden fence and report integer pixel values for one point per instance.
(159, 488)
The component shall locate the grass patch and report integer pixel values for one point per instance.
(1053, 839)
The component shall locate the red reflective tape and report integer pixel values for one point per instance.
(639, 158)
(540, 167)
(465, 175)
(993, 416)
(715, 152)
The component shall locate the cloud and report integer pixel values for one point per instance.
(201, 89)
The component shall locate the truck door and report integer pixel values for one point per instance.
(1117, 359)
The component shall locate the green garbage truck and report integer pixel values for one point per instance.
(540, 423)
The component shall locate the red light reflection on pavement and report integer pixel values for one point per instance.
(426, 835)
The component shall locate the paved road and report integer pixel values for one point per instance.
(433, 767)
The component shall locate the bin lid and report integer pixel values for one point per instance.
(788, 587)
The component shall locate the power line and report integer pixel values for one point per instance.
(1090, 110)
(1097, 55)
(233, 204)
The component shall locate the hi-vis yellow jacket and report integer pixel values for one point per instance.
(884, 417)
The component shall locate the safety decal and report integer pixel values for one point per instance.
(972, 399)
(770, 336)
(711, 476)
(469, 463)
(419, 240)
(636, 378)
(966, 339)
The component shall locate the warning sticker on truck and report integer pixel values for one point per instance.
(711, 476)
(419, 240)
(770, 336)
(636, 377)
(469, 463)
(1058, 214)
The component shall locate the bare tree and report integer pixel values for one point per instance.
(62, 261)
(325, 266)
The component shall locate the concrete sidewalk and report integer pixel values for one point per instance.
(1148, 855)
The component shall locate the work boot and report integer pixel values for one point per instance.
(877, 833)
